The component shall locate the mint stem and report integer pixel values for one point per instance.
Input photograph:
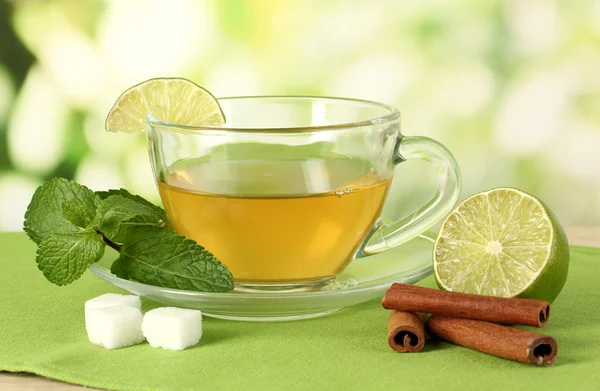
(109, 242)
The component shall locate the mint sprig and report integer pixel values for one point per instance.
(72, 226)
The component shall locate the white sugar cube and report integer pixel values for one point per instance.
(114, 327)
(172, 328)
(113, 299)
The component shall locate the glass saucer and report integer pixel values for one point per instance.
(364, 279)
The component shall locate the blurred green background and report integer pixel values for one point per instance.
(511, 87)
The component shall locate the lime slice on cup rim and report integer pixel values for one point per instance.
(173, 100)
(503, 242)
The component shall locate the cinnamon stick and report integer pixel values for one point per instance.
(501, 341)
(406, 331)
(410, 298)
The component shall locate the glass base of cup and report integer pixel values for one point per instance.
(276, 318)
(282, 286)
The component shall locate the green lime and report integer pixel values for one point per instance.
(502, 242)
(172, 100)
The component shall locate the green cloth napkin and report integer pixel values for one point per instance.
(42, 331)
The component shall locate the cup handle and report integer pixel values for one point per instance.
(387, 236)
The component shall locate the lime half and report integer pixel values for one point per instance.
(172, 100)
(503, 242)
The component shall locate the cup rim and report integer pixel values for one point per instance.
(392, 115)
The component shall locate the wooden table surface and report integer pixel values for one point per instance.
(585, 236)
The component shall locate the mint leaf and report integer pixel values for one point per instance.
(118, 215)
(118, 268)
(124, 193)
(63, 258)
(162, 258)
(59, 206)
(75, 212)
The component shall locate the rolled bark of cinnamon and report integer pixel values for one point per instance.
(406, 331)
(410, 298)
(501, 341)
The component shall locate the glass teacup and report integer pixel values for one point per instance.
(291, 189)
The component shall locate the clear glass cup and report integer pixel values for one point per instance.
(291, 189)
